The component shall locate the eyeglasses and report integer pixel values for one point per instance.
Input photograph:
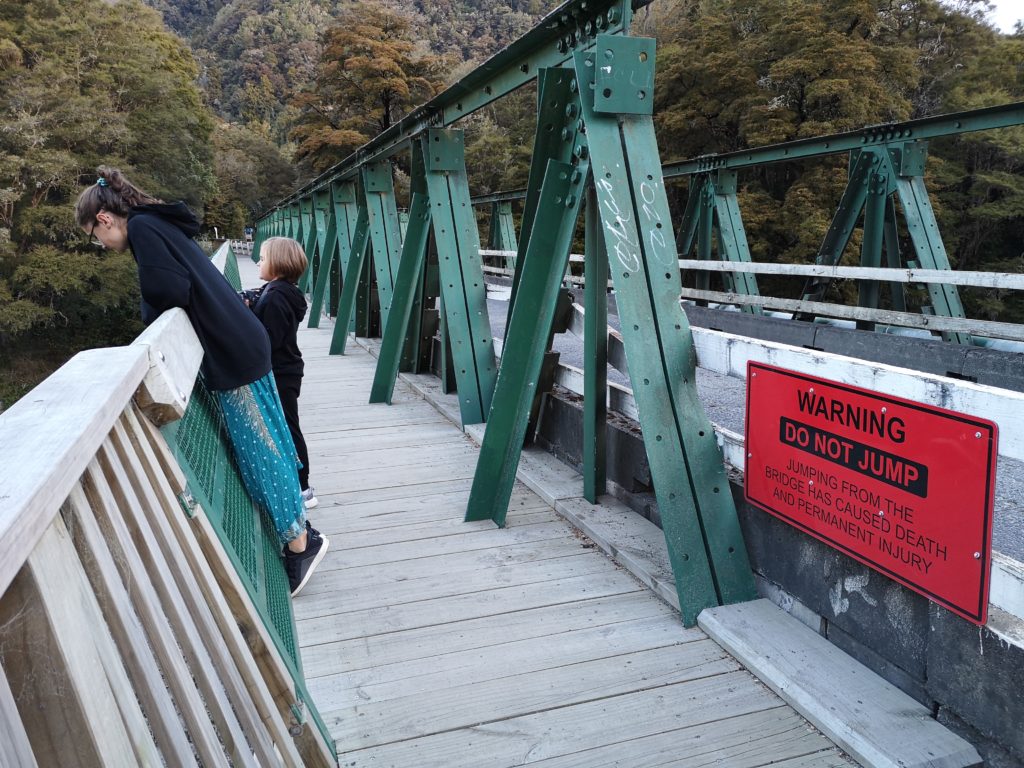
(93, 240)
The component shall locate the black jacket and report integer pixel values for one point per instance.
(174, 272)
(280, 306)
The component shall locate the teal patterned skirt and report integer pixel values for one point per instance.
(265, 453)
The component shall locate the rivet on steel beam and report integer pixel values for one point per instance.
(570, 201)
(576, 176)
(573, 86)
(613, 15)
(565, 134)
(570, 110)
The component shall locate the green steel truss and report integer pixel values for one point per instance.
(595, 142)
(599, 115)
(441, 204)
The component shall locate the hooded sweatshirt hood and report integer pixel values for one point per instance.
(178, 214)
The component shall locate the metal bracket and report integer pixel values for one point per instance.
(624, 81)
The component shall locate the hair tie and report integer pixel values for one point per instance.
(101, 182)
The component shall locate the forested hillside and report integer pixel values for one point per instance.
(229, 104)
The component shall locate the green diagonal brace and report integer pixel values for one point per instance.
(503, 231)
(328, 255)
(546, 256)
(307, 237)
(354, 268)
(410, 271)
(732, 238)
(385, 232)
(556, 116)
(705, 544)
(461, 272)
(925, 234)
(843, 222)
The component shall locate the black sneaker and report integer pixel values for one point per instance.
(310, 531)
(300, 565)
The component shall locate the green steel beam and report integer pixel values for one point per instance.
(327, 220)
(461, 272)
(557, 118)
(595, 353)
(499, 197)
(523, 354)
(502, 236)
(705, 544)
(1002, 116)
(385, 231)
(352, 279)
(407, 283)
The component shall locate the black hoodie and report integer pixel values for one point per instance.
(174, 272)
(280, 306)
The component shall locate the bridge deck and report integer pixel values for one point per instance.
(428, 641)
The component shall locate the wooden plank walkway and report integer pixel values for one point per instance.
(428, 641)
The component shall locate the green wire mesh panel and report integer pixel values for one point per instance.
(201, 445)
(231, 271)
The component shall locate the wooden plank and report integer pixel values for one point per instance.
(422, 643)
(400, 512)
(557, 731)
(866, 716)
(272, 668)
(462, 453)
(769, 737)
(51, 435)
(49, 630)
(450, 525)
(412, 491)
(175, 355)
(152, 611)
(17, 751)
(150, 518)
(907, 319)
(492, 603)
(128, 632)
(513, 658)
(394, 553)
(454, 566)
(415, 715)
(397, 594)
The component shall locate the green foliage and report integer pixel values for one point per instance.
(369, 76)
(252, 174)
(744, 73)
(83, 83)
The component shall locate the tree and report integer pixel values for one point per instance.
(252, 174)
(370, 76)
(83, 83)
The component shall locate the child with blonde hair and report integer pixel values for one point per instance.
(280, 306)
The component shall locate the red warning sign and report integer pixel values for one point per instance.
(903, 487)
